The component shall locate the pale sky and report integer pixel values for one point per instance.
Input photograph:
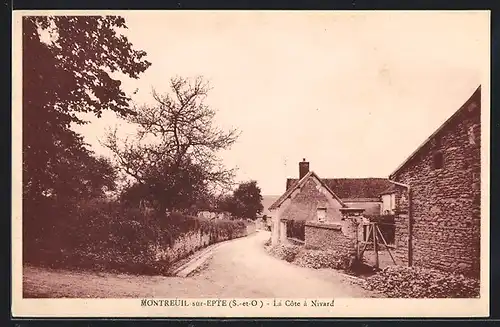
(353, 93)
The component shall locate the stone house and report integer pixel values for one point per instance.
(437, 196)
(318, 201)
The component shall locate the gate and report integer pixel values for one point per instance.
(373, 237)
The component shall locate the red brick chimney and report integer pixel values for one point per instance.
(303, 168)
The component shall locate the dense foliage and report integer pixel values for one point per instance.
(285, 252)
(103, 235)
(244, 202)
(317, 259)
(416, 282)
(312, 258)
(71, 66)
(67, 62)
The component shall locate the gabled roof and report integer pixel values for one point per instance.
(353, 188)
(299, 184)
(476, 96)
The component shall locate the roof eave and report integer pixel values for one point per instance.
(288, 192)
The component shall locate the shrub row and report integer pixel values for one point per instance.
(107, 236)
(312, 258)
(417, 282)
(285, 252)
(317, 259)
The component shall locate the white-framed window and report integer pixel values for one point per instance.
(321, 213)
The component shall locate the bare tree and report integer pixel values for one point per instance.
(174, 155)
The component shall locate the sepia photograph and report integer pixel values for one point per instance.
(266, 163)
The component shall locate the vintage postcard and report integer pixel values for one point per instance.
(250, 164)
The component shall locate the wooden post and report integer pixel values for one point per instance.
(375, 244)
(357, 239)
(386, 245)
(365, 242)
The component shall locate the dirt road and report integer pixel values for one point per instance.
(240, 268)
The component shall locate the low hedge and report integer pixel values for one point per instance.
(312, 258)
(285, 252)
(417, 282)
(317, 259)
(107, 236)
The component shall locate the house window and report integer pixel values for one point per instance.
(321, 213)
(437, 160)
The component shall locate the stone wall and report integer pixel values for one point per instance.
(304, 205)
(329, 236)
(194, 241)
(445, 202)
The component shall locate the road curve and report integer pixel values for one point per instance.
(239, 268)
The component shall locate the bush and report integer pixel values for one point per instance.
(285, 252)
(102, 235)
(416, 282)
(317, 259)
(296, 229)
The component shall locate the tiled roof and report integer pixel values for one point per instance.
(352, 188)
(389, 190)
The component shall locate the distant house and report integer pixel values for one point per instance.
(267, 201)
(438, 198)
(312, 198)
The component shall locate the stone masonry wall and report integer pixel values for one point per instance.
(445, 202)
(304, 205)
(194, 241)
(326, 236)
